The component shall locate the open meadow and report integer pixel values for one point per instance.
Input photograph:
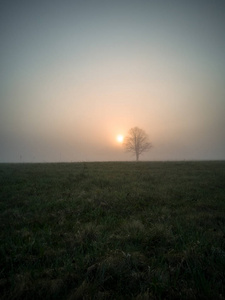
(112, 230)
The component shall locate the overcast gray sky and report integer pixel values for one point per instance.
(75, 74)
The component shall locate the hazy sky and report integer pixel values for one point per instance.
(74, 74)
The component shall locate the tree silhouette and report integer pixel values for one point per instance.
(137, 142)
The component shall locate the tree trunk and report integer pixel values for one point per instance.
(137, 156)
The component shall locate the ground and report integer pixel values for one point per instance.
(115, 230)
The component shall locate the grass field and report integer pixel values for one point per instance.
(114, 230)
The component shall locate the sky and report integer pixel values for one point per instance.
(75, 74)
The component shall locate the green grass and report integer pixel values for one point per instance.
(115, 230)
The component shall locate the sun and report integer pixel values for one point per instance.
(119, 138)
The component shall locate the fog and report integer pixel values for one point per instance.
(75, 74)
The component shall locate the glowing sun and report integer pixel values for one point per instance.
(119, 138)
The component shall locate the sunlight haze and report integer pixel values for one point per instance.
(76, 74)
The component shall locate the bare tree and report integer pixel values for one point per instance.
(137, 142)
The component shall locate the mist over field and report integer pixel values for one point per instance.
(75, 74)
